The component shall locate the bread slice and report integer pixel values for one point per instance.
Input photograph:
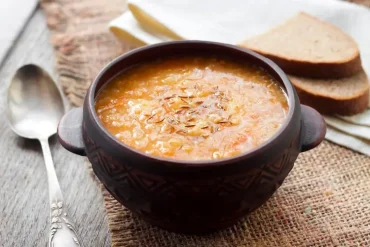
(306, 46)
(346, 96)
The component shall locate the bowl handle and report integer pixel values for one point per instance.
(313, 128)
(70, 131)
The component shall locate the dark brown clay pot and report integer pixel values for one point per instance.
(190, 196)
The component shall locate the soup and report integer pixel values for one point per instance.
(192, 108)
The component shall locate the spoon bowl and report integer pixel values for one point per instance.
(35, 104)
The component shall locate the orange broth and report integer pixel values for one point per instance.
(192, 108)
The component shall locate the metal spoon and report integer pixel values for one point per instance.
(35, 106)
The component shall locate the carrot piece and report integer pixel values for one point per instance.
(240, 139)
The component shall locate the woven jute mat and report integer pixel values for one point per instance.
(325, 201)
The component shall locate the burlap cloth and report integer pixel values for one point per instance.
(325, 201)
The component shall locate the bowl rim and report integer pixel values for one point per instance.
(289, 90)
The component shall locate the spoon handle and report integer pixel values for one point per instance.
(62, 232)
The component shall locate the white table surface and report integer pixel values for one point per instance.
(13, 16)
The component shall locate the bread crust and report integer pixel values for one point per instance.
(331, 106)
(321, 70)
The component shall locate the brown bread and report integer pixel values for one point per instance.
(346, 96)
(307, 46)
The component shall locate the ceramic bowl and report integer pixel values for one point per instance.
(190, 196)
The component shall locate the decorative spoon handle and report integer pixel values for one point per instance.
(62, 232)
